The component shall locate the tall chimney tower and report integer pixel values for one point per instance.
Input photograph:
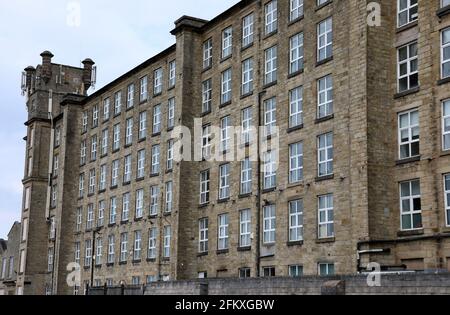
(46, 66)
(87, 74)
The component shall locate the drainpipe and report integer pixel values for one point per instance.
(259, 199)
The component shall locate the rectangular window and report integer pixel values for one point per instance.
(170, 148)
(248, 30)
(105, 140)
(117, 103)
(154, 194)
(296, 107)
(169, 197)
(270, 116)
(408, 11)
(127, 169)
(325, 40)
(143, 95)
(77, 252)
(137, 245)
(411, 205)
(225, 134)
(88, 253)
(106, 108)
(115, 173)
(101, 213)
(326, 216)
(90, 217)
(246, 125)
(171, 113)
(445, 53)
(113, 210)
(99, 251)
(295, 162)
(269, 224)
(141, 164)
(156, 119)
(172, 73)
(446, 125)
(139, 204)
(157, 81)
(245, 230)
(223, 232)
(295, 271)
(271, 65)
(270, 170)
(246, 176)
(408, 67)
(116, 137)
(447, 199)
(129, 132)
(206, 96)
(81, 186)
(111, 249)
(204, 187)
(325, 154)
(55, 165)
(206, 142)
(102, 182)
(409, 134)
(224, 181)
(130, 96)
(247, 76)
(226, 87)
(271, 17)
(296, 10)
(203, 236)
(326, 269)
(50, 259)
(24, 234)
(227, 42)
(167, 240)
(296, 53)
(296, 220)
(95, 111)
(94, 148)
(142, 125)
(79, 219)
(324, 97)
(123, 247)
(155, 160)
(244, 273)
(152, 235)
(207, 54)
(84, 123)
(92, 181)
(269, 272)
(27, 198)
(125, 207)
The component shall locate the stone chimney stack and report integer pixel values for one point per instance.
(87, 74)
(46, 66)
(30, 72)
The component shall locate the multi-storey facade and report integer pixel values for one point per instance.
(9, 252)
(353, 164)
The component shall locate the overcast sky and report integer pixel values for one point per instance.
(117, 35)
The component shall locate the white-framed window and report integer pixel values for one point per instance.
(169, 197)
(269, 272)
(137, 245)
(98, 251)
(171, 113)
(167, 241)
(88, 253)
(325, 39)
(129, 132)
(117, 103)
(204, 187)
(55, 165)
(52, 234)
(296, 107)
(248, 30)
(141, 164)
(407, 12)
(123, 247)
(84, 123)
(105, 141)
(142, 125)
(157, 119)
(127, 169)
(224, 181)
(269, 224)
(111, 249)
(408, 67)
(116, 137)
(90, 217)
(157, 81)
(227, 42)
(447, 198)
(139, 203)
(324, 96)
(106, 108)
(115, 173)
(223, 237)
(79, 219)
(154, 197)
(95, 112)
(411, 205)
(94, 148)
(130, 96)
(270, 116)
(246, 125)
(445, 53)
(296, 61)
(206, 142)
(203, 235)
(92, 181)
(296, 162)
(271, 65)
(446, 125)
(270, 170)
(172, 73)
(125, 207)
(155, 160)
(225, 134)
(77, 252)
(409, 134)
(112, 210)
(325, 154)
(57, 136)
(246, 177)
(102, 182)
(152, 235)
(206, 96)
(207, 53)
(143, 95)
(170, 152)
(296, 10)
(271, 17)
(326, 216)
(326, 269)
(226, 87)
(101, 213)
(247, 76)
(245, 230)
(295, 271)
